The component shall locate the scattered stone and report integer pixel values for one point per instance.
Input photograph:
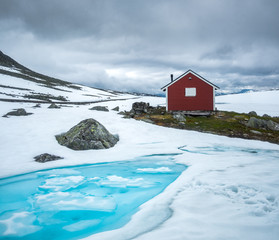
(53, 105)
(17, 112)
(256, 132)
(38, 105)
(127, 116)
(45, 157)
(99, 108)
(147, 120)
(115, 109)
(88, 134)
(122, 113)
(179, 117)
(272, 125)
(253, 113)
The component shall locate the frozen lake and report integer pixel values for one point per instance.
(74, 202)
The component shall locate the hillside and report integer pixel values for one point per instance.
(18, 83)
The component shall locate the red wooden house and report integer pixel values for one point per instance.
(190, 92)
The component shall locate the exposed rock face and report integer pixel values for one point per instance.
(140, 107)
(262, 124)
(53, 105)
(88, 134)
(99, 108)
(17, 112)
(45, 157)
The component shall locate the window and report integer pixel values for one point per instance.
(190, 92)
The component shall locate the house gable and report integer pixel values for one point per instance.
(184, 74)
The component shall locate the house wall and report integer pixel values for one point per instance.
(177, 101)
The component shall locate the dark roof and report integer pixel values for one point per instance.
(182, 75)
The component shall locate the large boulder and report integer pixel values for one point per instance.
(262, 124)
(88, 134)
(256, 123)
(274, 126)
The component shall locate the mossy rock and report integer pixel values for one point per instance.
(88, 134)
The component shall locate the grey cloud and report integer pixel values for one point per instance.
(230, 41)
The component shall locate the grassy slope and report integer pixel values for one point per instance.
(229, 124)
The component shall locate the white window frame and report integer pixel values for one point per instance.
(190, 92)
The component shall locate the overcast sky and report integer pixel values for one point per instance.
(134, 45)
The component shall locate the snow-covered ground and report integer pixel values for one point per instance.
(229, 191)
(265, 102)
(18, 88)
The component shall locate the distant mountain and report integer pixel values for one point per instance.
(18, 82)
(237, 91)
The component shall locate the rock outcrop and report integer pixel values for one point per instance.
(46, 157)
(17, 112)
(140, 107)
(88, 134)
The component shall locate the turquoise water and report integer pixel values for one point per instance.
(74, 202)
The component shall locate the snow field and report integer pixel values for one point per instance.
(229, 191)
(71, 94)
(266, 102)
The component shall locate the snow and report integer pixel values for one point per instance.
(13, 69)
(265, 102)
(229, 191)
(74, 95)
